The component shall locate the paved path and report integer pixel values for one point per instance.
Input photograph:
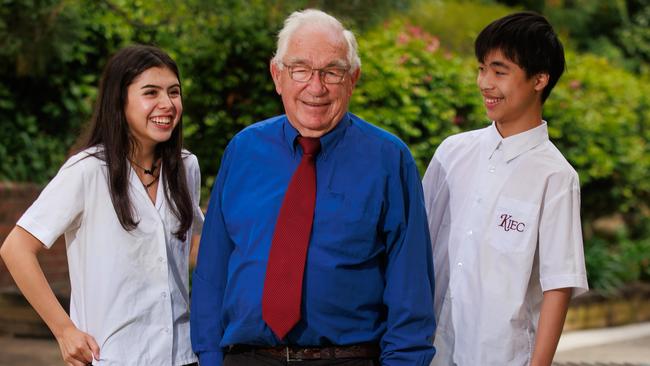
(632, 352)
(625, 345)
(620, 346)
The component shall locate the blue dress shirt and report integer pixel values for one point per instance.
(369, 271)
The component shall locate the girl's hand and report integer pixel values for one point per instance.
(20, 254)
(77, 348)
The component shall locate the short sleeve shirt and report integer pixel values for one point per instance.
(129, 288)
(504, 217)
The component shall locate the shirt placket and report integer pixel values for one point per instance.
(162, 334)
(162, 233)
(476, 209)
(464, 265)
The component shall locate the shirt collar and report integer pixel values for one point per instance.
(515, 145)
(491, 141)
(327, 141)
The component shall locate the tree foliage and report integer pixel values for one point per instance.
(48, 75)
(616, 29)
(52, 53)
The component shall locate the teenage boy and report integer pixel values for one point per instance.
(504, 211)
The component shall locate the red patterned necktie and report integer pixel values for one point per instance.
(284, 271)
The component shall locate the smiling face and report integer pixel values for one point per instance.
(312, 107)
(511, 98)
(154, 106)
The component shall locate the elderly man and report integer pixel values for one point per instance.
(315, 248)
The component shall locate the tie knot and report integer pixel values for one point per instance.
(310, 145)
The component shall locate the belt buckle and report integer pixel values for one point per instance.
(289, 358)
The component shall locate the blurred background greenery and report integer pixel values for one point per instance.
(418, 81)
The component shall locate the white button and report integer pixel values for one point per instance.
(163, 294)
(460, 264)
(492, 168)
(160, 259)
(470, 232)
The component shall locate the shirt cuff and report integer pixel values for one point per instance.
(577, 281)
(211, 358)
(40, 232)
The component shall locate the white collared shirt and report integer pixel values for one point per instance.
(129, 289)
(504, 216)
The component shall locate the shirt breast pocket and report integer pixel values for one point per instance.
(346, 228)
(512, 225)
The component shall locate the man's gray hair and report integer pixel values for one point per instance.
(312, 16)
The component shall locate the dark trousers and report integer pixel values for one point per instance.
(255, 359)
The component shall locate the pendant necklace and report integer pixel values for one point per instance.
(147, 172)
(146, 186)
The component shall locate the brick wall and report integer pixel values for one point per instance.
(15, 198)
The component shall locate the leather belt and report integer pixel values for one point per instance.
(294, 353)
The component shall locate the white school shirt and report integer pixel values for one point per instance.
(504, 216)
(129, 289)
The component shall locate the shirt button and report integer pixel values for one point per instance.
(460, 264)
(163, 295)
(160, 259)
(492, 168)
(470, 232)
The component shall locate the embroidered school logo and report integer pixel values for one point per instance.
(507, 223)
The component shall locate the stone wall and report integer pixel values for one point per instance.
(16, 316)
(14, 200)
(593, 310)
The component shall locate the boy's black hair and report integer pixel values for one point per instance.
(527, 39)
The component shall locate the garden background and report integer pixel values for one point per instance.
(418, 81)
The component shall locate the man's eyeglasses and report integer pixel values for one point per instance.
(327, 75)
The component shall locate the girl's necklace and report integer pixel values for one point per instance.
(146, 186)
(147, 172)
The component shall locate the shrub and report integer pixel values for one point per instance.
(610, 265)
(412, 87)
(598, 117)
